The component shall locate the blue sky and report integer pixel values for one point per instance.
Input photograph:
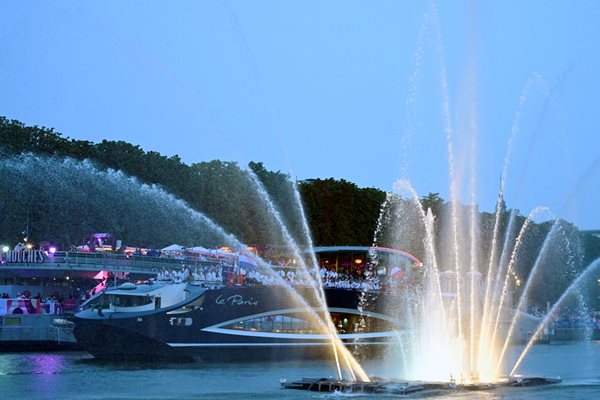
(344, 89)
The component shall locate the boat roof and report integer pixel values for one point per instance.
(139, 289)
(333, 249)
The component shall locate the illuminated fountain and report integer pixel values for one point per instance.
(469, 308)
(480, 270)
(472, 301)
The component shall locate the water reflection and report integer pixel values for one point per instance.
(76, 375)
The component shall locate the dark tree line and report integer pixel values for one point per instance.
(338, 212)
(62, 198)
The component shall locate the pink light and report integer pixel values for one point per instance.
(52, 250)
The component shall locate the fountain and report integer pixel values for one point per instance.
(469, 305)
(480, 272)
(462, 321)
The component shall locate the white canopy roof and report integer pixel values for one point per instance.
(223, 253)
(173, 247)
(198, 249)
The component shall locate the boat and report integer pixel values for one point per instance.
(189, 322)
(36, 299)
(414, 388)
(526, 381)
(34, 325)
(232, 320)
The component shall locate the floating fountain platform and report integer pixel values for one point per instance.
(523, 381)
(380, 386)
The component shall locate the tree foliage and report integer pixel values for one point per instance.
(256, 205)
(340, 213)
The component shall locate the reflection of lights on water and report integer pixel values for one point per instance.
(48, 368)
(38, 364)
(46, 363)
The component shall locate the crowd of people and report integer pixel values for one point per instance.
(569, 318)
(198, 274)
(338, 280)
(240, 276)
(574, 318)
(26, 295)
(328, 279)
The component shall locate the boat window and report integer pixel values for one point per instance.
(129, 301)
(100, 302)
(286, 323)
(104, 301)
(299, 323)
(353, 323)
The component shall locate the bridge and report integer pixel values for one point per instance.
(80, 261)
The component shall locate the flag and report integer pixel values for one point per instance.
(247, 262)
(396, 273)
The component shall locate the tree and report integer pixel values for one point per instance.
(434, 202)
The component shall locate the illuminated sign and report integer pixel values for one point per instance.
(236, 300)
(23, 256)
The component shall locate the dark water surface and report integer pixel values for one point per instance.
(76, 375)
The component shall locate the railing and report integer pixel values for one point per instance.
(37, 333)
(112, 262)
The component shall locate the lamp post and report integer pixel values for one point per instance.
(518, 284)
(26, 231)
(4, 250)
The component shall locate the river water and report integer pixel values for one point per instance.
(76, 375)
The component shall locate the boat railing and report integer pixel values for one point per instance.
(42, 331)
(116, 262)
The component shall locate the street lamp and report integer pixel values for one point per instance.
(4, 250)
(518, 284)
